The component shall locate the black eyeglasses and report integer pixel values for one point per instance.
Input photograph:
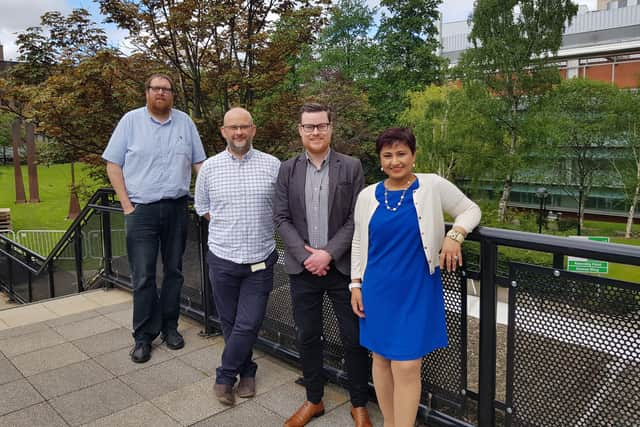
(322, 127)
(158, 89)
(236, 128)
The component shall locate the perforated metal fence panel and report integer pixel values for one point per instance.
(444, 371)
(573, 349)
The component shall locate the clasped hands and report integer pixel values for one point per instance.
(318, 262)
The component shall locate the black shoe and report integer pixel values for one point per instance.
(173, 339)
(141, 352)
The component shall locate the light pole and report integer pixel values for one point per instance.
(542, 194)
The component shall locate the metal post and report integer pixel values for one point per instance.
(29, 289)
(10, 275)
(205, 285)
(487, 357)
(558, 261)
(77, 243)
(52, 289)
(106, 239)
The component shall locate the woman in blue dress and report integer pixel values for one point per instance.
(399, 247)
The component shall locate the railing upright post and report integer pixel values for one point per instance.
(487, 357)
(10, 275)
(77, 243)
(52, 288)
(204, 273)
(558, 261)
(29, 288)
(106, 238)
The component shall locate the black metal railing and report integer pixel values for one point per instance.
(567, 355)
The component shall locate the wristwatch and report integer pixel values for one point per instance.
(354, 285)
(455, 235)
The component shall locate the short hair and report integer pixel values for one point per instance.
(392, 135)
(314, 107)
(147, 84)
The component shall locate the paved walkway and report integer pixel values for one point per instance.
(65, 362)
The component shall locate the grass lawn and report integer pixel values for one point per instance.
(52, 210)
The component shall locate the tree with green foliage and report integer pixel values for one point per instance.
(5, 135)
(449, 133)
(345, 46)
(627, 165)
(512, 43)
(578, 123)
(407, 60)
(224, 53)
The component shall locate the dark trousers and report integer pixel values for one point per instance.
(241, 297)
(307, 293)
(152, 228)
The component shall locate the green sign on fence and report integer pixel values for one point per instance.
(584, 265)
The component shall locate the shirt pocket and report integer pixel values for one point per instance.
(182, 147)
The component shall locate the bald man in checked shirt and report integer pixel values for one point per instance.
(234, 191)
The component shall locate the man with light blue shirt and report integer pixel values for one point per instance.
(149, 160)
(234, 191)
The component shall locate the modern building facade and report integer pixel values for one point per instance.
(602, 45)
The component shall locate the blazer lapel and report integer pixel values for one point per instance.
(299, 183)
(334, 174)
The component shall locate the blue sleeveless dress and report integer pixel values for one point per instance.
(403, 303)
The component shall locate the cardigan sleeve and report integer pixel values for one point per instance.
(356, 258)
(465, 212)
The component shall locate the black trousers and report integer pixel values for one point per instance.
(307, 293)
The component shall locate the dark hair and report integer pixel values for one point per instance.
(392, 135)
(158, 76)
(314, 107)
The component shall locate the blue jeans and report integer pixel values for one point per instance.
(153, 228)
(241, 299)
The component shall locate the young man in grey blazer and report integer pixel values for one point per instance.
(313, 206)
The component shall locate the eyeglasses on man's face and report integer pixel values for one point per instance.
(236, 128)
(160, 89)
(322, 127)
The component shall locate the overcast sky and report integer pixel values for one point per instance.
(17, 15)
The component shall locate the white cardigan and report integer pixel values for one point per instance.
(433, 196)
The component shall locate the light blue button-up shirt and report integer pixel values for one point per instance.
(156, 157)
(238, 195)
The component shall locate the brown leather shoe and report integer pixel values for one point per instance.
(224, 393)
(304, 414)
(247, 387)
(360, 417)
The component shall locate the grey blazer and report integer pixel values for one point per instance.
(346, 179)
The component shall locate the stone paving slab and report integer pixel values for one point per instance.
(17, 395)
(47, 359)
(105, 342)
(8, 372)
(30, 342)
(69, 378)
(141, 415)
(95, 402)
(284, 400)
(66, 306)
(162, 378)
(206, 359)
(192, 403)
(86, 328)
(40, 415)
(123, 318)
(249, 414)
(119, 361)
